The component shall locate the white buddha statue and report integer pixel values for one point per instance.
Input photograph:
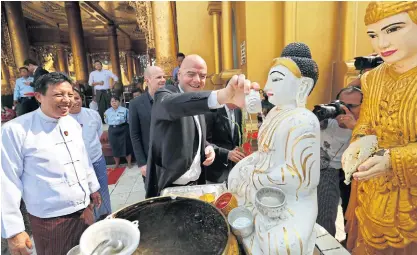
(288, 158)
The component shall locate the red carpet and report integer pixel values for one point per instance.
(114, 174)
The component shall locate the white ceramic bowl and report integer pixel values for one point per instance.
(111, 229)
(242, 213)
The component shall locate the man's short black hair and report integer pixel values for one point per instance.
(115, 98)
(98, 61)
(43, 82)
(349, 90)
(23, 68)
(30, 61)
(180, 55)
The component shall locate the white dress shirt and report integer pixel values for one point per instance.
(43, 160)
(90, 122)
(103, 75)
(194, 172)
(334, 141)
(231, 119)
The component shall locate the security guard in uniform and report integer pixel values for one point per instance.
(117, 117)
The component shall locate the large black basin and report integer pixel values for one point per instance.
(178, 226)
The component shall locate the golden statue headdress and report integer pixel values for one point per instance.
(377, 11)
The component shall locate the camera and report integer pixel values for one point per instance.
(367, 62)
(329, 111)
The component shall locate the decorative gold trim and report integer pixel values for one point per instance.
(288, 63)
(221, 78)
(6, 44)
(144, 20)
(214, 7)
(377, 11)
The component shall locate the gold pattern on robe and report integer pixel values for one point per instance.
(387, 207)
(287, 245)
(276, 245)
(309, 173)
(269, 243)
(294, 166)
(300, 241)
(290, 211)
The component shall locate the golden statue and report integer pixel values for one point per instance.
(382, 214)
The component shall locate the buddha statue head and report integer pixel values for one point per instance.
(392, 27)
(292, 76)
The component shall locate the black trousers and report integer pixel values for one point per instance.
(344, 192)
(26, 105)
(329, 191)
(103, 101)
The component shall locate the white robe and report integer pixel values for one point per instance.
(45, 162)
(92, 127)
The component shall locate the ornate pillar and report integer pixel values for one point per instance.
(226, 28)
(215, 9)
(62, 58)
(12, 75)
(130, 68)
(165, 43)
(114, 54)
(17, 30)
(76, 36)
(90, 64)
(5, 79)
(137, 67)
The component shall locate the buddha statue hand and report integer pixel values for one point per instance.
(374, 166)
(357, 153)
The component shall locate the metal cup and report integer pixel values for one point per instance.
(226, 202)
(270, 202)
(253, 102)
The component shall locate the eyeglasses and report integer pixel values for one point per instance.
(350, 106)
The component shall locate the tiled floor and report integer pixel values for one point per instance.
(128, 190)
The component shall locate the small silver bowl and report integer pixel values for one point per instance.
(270, 202)
(241, 221)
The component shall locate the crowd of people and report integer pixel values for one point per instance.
(181, 135)
(157, 121)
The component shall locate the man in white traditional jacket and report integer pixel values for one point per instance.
(45, 162)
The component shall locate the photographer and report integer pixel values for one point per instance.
(365, 64)
(337, 121)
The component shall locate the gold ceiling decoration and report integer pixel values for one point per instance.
(144, 20)
(6, 44)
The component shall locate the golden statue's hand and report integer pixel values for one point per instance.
(374, 167)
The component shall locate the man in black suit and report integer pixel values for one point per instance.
(140, 116)
(33, 68)
(224, 129)
(178, 146)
